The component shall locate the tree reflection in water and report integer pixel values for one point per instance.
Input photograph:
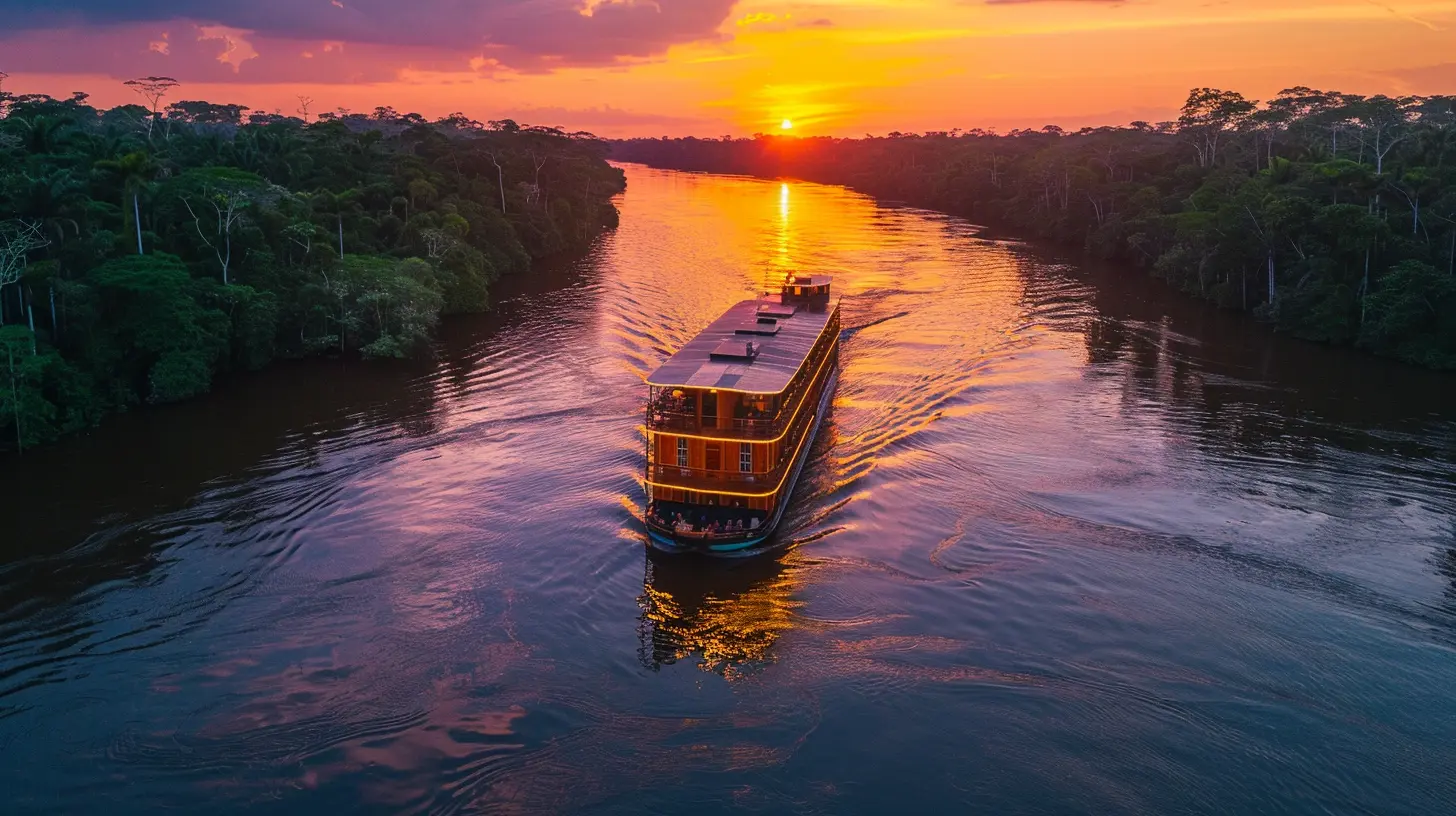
(728, 614)
(1446, 565)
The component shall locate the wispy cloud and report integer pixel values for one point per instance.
(1026, 2)
(1400, 15)
(524, 34)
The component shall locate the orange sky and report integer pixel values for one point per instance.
(843, 67)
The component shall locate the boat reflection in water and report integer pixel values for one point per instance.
(728, 615)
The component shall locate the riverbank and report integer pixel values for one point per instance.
(147, 254)
(1043, 503)
(1338, 246)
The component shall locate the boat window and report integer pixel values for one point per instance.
(682, 452)
(745, 458)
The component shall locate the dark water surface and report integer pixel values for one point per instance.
(1068, 544)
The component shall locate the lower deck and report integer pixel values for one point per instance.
(707, 522)
(717, 522)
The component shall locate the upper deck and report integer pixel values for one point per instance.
(756, 347)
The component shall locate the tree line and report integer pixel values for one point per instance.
(1330, 215)
(149, 248)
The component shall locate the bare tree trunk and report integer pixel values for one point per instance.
(586, 209)
(1271, 278)
(1365, 286)
(55, 329)
(136, 209)
(500, 180)
(341, 236)
(15, 401)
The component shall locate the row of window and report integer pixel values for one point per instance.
(745, 456)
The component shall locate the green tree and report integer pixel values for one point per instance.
(268, 236)
(160, 343)
(33, 380)
(1412, 315)
(1208, 116)
(133, 172)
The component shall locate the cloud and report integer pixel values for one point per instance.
(1078, 2)
(1425, 79)
(530, 35)
(213, 54)
(605, 116)
(763, 22)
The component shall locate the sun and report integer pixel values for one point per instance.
(788, 124)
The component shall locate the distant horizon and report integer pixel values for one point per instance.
(542, 116)
(709, 68)
(112, 93)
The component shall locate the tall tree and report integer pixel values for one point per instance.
(134, 171)
(1384, 123)
(17, 240)
(153, 89)
(1208, 116)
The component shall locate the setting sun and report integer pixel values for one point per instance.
(787, 125)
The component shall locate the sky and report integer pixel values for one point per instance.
(721, 67)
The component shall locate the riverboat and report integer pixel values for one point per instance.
(732, 416)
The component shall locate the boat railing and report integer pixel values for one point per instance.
(687, 532)
(691, 478)
(739, 427)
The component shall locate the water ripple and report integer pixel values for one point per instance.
(1066, 543)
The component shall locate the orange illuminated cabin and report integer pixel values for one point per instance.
(732, 415)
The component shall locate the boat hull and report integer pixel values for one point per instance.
(666, 542)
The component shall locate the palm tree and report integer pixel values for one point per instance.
(52, 200)
(281, 155)
(134, 171)
(1436, 142)
(46, 135)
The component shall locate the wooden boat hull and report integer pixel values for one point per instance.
(666, 542)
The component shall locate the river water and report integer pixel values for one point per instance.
(1068, 543)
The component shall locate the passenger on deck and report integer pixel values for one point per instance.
(753, 523)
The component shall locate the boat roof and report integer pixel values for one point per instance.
(809, 280)
(713, 359)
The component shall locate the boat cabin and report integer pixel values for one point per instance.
(730, 414)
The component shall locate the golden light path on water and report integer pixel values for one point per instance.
(1066, 543)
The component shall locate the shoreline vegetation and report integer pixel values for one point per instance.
(147, 249)
(1329, 216)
